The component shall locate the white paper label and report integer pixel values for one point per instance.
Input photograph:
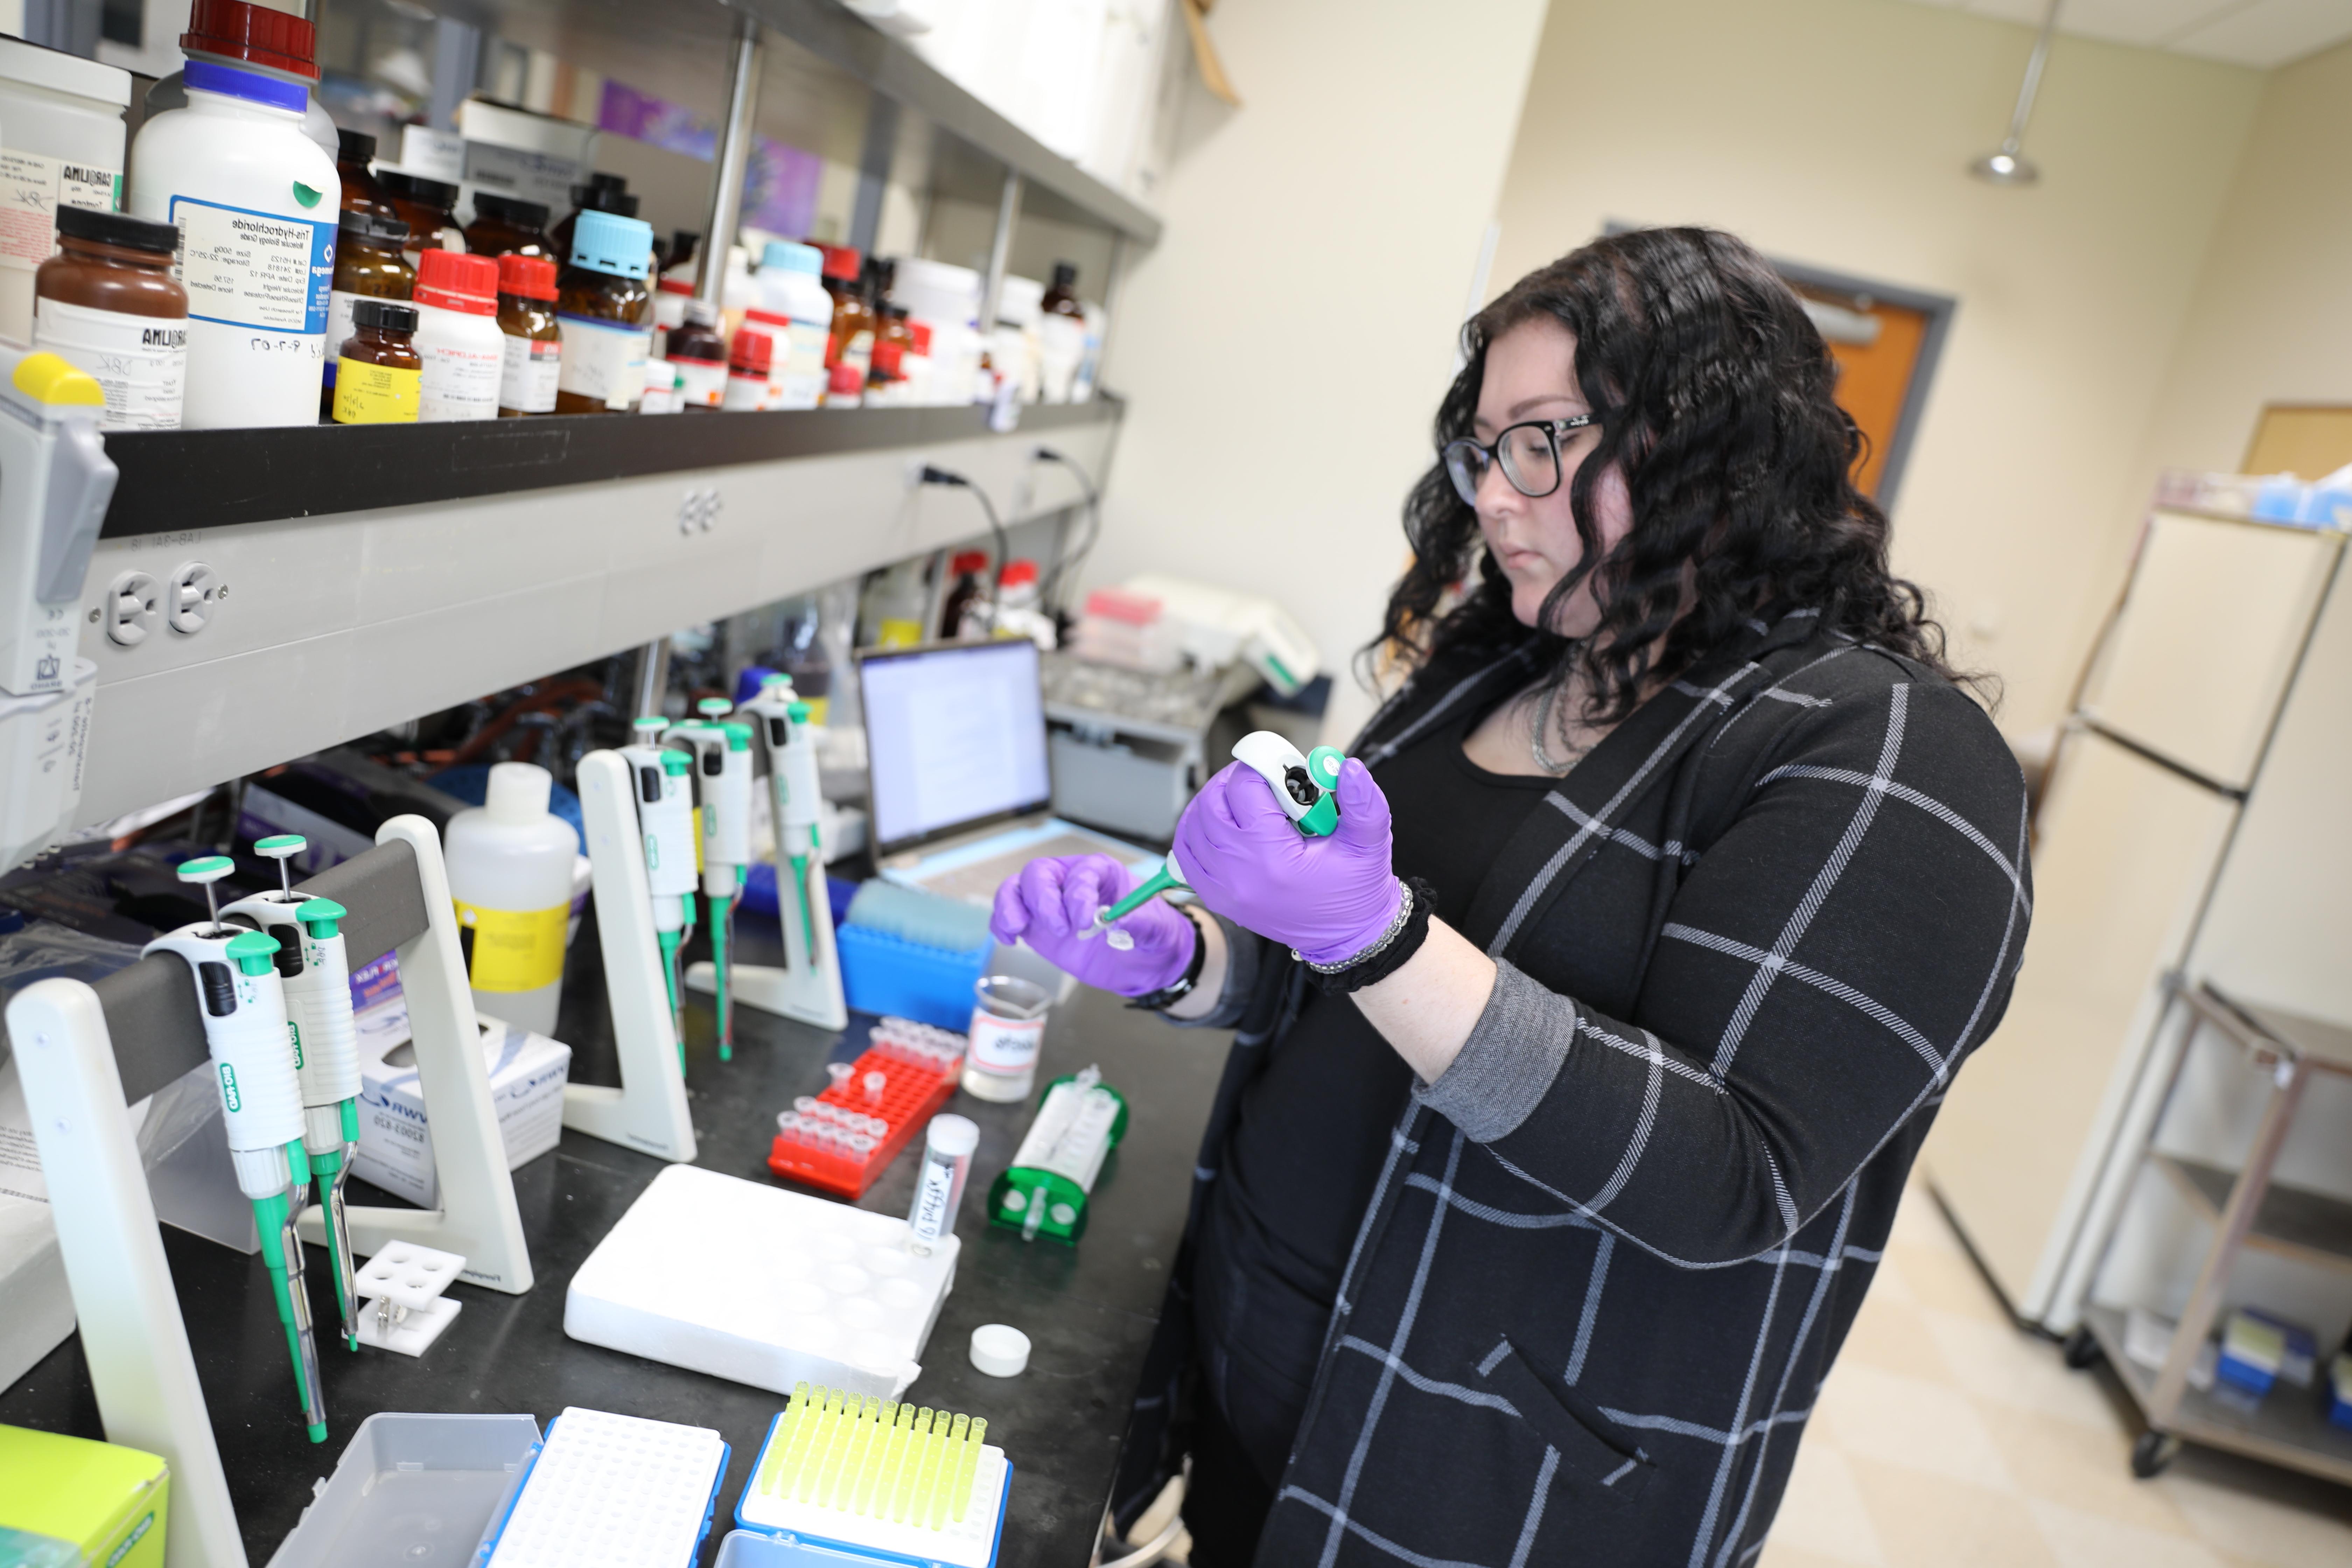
(527, 375)
(800, 383)
(32, 189)
(461, 382)
(604, 359)
(1061, 348)
(1005, 1045)
(141, 362)
(247, 269)
(930, 1219)
(702, 383)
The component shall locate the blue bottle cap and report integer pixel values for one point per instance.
(789, 257)
(607, 242)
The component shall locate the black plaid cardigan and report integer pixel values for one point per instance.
(1742, 948)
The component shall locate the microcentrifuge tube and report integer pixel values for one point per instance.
(875, 1083)
(839, 1072)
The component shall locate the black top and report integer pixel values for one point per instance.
(1312, 1129)
(1611, 1254)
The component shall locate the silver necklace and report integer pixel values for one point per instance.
(1544, 760)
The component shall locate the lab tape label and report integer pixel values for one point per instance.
(243, 268)
(512, 950)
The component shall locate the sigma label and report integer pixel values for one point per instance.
(459, 382)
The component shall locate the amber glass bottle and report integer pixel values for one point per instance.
(369, 265)
(362, 192)
(604, 308)
(381, 377)
(508, 225)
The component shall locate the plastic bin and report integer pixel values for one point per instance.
(887, 975)
(411, 1489)
(750, 1549)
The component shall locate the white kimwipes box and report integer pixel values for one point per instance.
(527, 1077)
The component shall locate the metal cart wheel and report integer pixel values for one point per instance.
(2083, 1351)
(2152, 1452)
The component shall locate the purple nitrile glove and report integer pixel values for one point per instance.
(1327, 899)
(1050, 904)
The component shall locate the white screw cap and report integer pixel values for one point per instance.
(1000, 1350)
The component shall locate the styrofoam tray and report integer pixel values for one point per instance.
(761, 1286)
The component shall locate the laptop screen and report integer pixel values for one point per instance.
(955, 736)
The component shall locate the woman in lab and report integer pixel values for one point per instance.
(1577, 1073)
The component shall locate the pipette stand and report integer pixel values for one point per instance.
(647, 1112)
(808, 992)
(132, 1336)
(477, 1218)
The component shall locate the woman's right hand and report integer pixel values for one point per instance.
(1050, 904)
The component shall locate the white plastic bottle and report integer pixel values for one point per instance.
(789, 288)
(510, 866)
(256, 202)
(458, 337)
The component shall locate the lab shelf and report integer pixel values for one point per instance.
(2286, 1426)
(367, 580)
(176, 480)
(2293, 1221)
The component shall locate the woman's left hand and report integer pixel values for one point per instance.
(1328, 898)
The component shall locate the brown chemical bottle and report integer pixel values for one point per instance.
(1061, 334)
(381, 378)
(605, 309)
(701, 355)
(370, 264)
(428, 207)
(508, 225)
(892, 342)
(534, 348)
(851, 340)
(602, 194)
(362, 192)
(684, 243)
(107, 303)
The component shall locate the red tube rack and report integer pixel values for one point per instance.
(911, 1098)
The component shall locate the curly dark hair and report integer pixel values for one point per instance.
(1714, 391)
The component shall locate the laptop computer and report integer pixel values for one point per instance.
(958, 789)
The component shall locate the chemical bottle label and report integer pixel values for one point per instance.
(460, 382)
(513, 949)
(604, 359)
(248, 269)
(528, 374)
(375, 394)
(141, 361)
(340, 327)
(32, 189)
(800, 379)
(702, 383)
(1005, 1044)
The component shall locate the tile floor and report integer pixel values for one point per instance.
(1947, 1438)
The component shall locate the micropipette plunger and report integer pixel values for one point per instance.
(242, 1005)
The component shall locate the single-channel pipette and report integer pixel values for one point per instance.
(722, 785)
(242, 1005)
(665, 819)
(316, 974)
(792, 777)
(1302, 786)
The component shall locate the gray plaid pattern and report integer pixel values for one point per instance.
(1738, 964)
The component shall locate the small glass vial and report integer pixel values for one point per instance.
(697, 350)
(1008, 1025)
(534, 344)
(429, 208)
(107, 303)
(457, 336)
(380, 375)
(948, 1144)
(369, 265)
(605, 311)
(508, 225)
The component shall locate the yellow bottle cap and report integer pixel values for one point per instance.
(46, 378)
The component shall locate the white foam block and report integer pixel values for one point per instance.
(968, 1542)
(612, 1491)
(761, 1286)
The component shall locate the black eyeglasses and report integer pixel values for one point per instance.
(1529, 454)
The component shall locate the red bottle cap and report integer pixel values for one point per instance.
(846, 379)
(254, 35)
(753, 354)
(456, 282)
(921, 331)
(840, 261)
(969, 561)
(673, 286)
(532, 277)
(887, 359)
(781, 324)
(1017, 572)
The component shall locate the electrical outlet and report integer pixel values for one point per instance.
(191, 596)
(133, 601)
(698, 511)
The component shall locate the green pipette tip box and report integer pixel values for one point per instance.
(70, 1500)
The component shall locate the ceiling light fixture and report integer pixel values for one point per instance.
(2007, 165)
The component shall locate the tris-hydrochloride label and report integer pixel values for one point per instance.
(32, 189)
(512, 950)
(247, 269)
(604, 359)
(141, 361)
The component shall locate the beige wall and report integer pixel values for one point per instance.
(1286, 343)
(1835, 132)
